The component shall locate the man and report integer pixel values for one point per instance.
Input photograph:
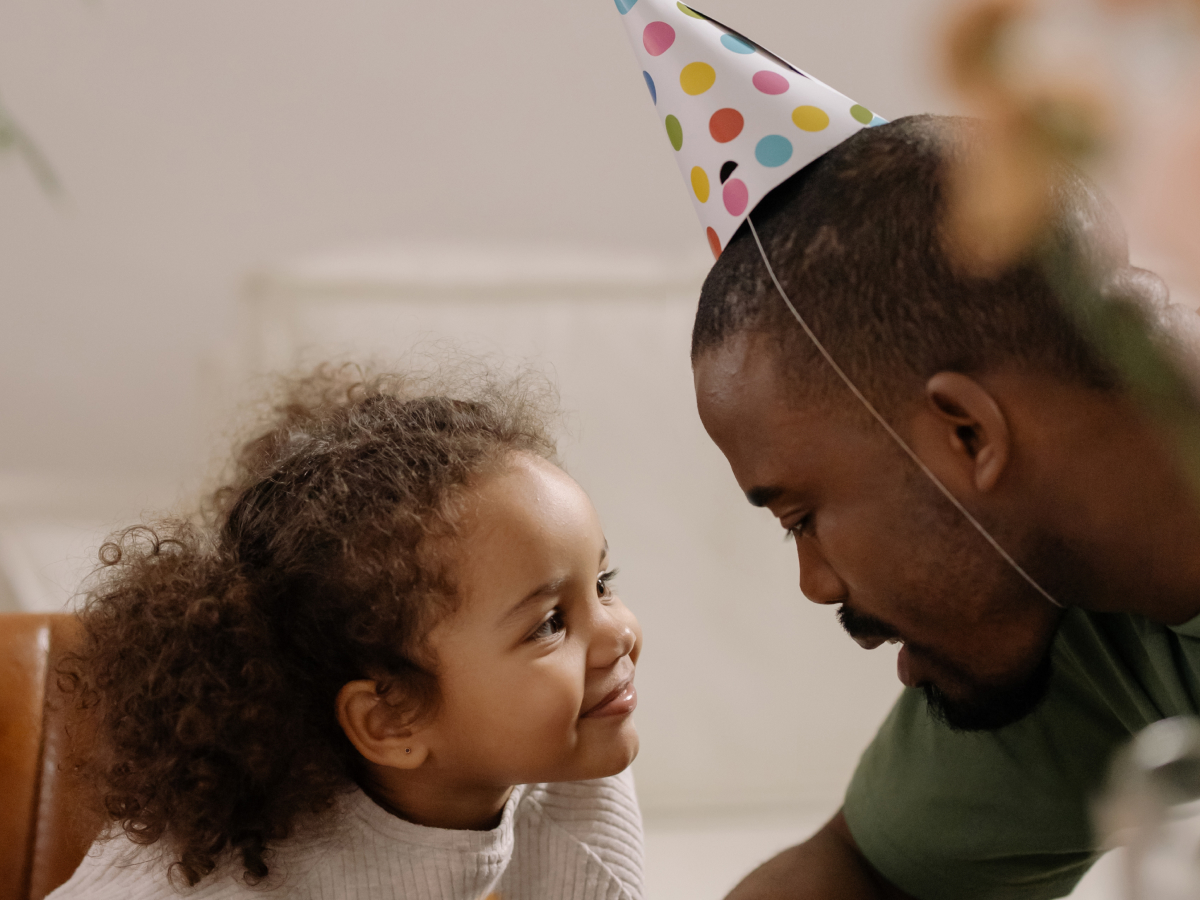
(979, 782)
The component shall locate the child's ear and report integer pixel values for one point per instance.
(383, 733)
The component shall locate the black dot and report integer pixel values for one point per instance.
(727, 170)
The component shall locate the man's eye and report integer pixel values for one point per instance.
(801, 528)
(604, 583)
(551, 626)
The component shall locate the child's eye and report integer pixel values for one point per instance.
(603, 583)
(550, 626)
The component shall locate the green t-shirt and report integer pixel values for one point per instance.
(1006, 813)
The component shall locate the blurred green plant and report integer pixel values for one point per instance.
(15, 141)
(1126, 334)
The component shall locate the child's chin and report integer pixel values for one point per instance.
(623, 752)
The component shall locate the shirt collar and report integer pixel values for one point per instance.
(1190, 628)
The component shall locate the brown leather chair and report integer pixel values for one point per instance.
(45, 827)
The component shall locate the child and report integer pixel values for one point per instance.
(393, 667)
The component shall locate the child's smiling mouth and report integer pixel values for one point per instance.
(620, 701)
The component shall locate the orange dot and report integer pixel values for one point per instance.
(714, 244)
(725, 125)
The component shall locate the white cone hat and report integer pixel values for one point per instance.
(741, 120)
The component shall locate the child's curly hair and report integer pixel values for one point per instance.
(213, 652)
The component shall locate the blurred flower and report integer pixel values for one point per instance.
(999, 196)
(1157, 179)
(973, 44)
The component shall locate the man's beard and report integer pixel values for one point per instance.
(964, 702)
(982, 707)
(989, 707)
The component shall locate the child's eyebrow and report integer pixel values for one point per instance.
(549, 589)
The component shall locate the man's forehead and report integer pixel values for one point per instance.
(777, 438)
(744, 382)
(747, 364)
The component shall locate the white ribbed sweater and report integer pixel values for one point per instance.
(570, 841)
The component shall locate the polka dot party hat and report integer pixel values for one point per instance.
(740, 119)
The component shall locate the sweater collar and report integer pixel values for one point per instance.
(498, 841)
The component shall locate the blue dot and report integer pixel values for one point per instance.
(734, 43)
(624, 6)
(650, 84)
(773, 150)
(877, 121)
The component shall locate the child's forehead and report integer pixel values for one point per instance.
(526, 487)
(530, 521)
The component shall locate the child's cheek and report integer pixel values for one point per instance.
(553, 706)
(537, 702)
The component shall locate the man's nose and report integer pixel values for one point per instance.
(818, 581)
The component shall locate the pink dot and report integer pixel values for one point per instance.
(736, 196)
(771, 82)
(658, 38)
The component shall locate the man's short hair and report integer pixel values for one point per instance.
(856, 239)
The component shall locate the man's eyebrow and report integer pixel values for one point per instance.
(761, 496)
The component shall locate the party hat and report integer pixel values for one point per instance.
(741, 120)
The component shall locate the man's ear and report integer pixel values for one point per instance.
(384, 733)
(962, 430)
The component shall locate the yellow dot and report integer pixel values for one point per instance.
(697, 77)
(809, 118)
(700, 184)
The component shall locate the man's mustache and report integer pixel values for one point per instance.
(860, 625)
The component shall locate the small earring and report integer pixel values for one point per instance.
(408, 749)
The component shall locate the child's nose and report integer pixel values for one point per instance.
(614, 639)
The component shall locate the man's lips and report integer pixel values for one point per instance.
(620, 701)
(904, 662)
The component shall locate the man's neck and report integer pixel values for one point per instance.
(1119, 496)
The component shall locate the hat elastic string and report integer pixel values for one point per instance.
(891, 431)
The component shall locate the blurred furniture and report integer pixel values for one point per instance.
(44, 829)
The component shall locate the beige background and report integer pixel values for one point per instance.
(198, 139)
(200, 142)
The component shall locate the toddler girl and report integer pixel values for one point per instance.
(391, 666)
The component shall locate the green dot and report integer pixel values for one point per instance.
(862, 114)
(689, 12)
(675, 132)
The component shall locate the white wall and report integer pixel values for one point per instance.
(199, 138)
